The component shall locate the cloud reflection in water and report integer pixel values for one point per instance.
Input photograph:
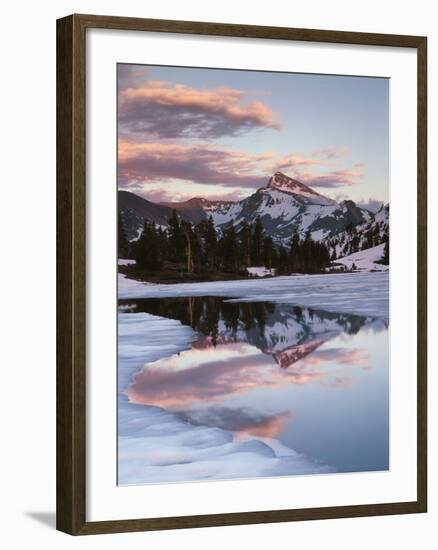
(241, 353)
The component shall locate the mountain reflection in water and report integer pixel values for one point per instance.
(314, 380)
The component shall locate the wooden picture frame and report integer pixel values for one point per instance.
(71, 273)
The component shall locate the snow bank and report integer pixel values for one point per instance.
(261, 271)
(365, 259)
(144, 338)
(357, 293)
(122, 261)
(157, 446)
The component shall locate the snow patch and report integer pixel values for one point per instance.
(365, 260)
(357, 293)
(261, 271)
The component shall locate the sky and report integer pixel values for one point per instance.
(220, 134)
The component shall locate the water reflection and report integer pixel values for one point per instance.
(210, 375)
(315, 381)
(287, 332)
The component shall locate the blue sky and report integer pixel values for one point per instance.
(187, 132)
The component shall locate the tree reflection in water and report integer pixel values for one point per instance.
(221, 320)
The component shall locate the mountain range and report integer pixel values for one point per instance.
(284, 205)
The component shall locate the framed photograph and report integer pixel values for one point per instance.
(241, 289)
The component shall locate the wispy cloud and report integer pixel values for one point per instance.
(331, 179)
(293, 161)
(194, 378)
(331, 153)
(166, 110)
(141, 165)
(151, 162)
(132, 76)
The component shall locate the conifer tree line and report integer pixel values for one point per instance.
(122, 241)
(198, 248)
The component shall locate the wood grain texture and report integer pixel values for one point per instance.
(71, 230)
(71, 270)
(422, 274)
(247, 31)
(248, 518)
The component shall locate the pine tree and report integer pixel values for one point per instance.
(307, 253)
(123, 248)
(210, 244)
(245, 243)
(186, 228)
(349, 228)
(355, 243)
(257, 240)
(198, 247)
(163, 242)
(385, 259)
(229, 250)
(147, 251)
(177, 240)
(296, 253)
(274, 256)
(282, 265)
(268, 247)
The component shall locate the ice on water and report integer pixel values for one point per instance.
(356, 293)
(156, 445)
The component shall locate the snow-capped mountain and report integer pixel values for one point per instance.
(285, 205)
(355, 238)
(301, 192)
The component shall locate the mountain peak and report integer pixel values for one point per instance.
(286, 184)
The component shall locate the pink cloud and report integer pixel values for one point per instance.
(242, 370)
(131, 75)
(295, 160)
(171, 194)
(335, 178)
(158, 162)
(168, 110)
(150, 164)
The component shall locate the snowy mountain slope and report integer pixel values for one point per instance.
(284, 206)
(365, 260)
(301, 192)
(372, 233)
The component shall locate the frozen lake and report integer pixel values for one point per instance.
(253, 378)
(357, 293)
